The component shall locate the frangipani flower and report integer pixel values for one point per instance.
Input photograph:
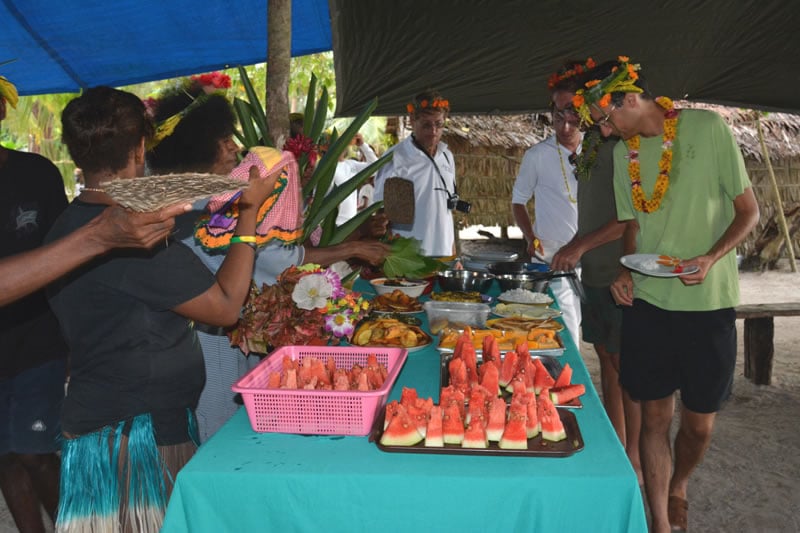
(312, 292)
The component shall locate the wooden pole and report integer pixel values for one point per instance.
(779, 204)
(279, 58)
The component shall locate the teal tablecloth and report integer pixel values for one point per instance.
(245, 481)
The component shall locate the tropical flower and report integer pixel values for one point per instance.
(306, 305)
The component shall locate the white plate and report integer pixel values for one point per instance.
(647, 265)
(525, 310)
(514, 302)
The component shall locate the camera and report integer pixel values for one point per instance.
(453, 202)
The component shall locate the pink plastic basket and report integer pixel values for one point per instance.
(315, 412)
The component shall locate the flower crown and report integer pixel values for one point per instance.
(436, 104)
(622, 79)
(566, 73)
(209, 83)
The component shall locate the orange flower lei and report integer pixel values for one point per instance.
(565, 73)
(437, 103)
(640, 201)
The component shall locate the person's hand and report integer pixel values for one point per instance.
(567, 257)
(117, 227)
(535, 246)
(375, 226)
(703, 262)
(257, 190)
(622, 288)
(371, 251)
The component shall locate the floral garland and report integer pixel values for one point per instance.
(640, 201)
(436, 104)
(307, 304)
(568, 72)
(598, 91)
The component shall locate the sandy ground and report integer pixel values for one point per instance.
(750, 478)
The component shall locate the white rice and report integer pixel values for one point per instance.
(525, 296)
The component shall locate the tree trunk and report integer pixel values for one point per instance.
(279, 57)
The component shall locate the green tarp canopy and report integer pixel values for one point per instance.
(494, 56)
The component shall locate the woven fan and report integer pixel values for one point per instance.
(151, 193)
(398, 200)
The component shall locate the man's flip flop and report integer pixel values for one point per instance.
(677, 512)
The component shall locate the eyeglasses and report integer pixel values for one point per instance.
(606, 117)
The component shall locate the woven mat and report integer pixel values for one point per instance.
(151, 193)
(398, 200)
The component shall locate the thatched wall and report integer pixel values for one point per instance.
(489, 149)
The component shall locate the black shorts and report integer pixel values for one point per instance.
(691, 351)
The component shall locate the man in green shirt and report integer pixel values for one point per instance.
(682, 189)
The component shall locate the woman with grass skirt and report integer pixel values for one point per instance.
(136, 368)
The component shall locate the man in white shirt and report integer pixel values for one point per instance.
(429, 164)
(547, 174)
(346, 169)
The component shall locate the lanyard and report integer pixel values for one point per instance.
(439, 172)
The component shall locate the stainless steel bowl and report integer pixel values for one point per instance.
(513, 267)
(464, 280)
(531, 281)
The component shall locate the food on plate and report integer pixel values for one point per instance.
(472, 415)
(536, 338)
(519, 323)
(524, 296)
(671, 261)
(313, 374)
(389, 332)
(457, 296)
(396, 302)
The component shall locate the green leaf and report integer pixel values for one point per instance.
(344, 231)
(308, 116)
(249, 134)
(320, 116)
(406, 261)
(257, 110)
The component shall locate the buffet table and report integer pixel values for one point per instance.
(245, 481)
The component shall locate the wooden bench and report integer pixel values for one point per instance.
(759, 330)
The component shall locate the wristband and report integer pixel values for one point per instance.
(249, 240)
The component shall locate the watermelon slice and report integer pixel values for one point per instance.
(509, 368)
(408, 395)
(490, 380)
(402, 431)
(565, 377)
(274, 380)
(475, 436)
(543, 379)
(434, 436)
(391, 410)
(471, 361)
(552, 427)
(451, 396)
(532, 424)
(464, 339)
(497, 419)
(491, 351)
(562, 395)
(452, 425)
(515, 436)
(418, 411)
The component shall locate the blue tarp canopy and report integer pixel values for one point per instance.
(63, 46)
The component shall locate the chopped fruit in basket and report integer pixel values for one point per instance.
(562, 395)
(401, 431)
(312, 374)
(434, 435)
(552, 427)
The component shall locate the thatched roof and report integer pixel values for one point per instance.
(781, 130)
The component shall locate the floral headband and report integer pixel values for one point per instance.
(566, 73)
(8, 92)
(210, 83)
(437, 104)
(622, 79)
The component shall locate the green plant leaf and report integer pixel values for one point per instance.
(311, 97)
(344, 231)
(406, 261)
(249, 136)
(320, 116)
(257, 110)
